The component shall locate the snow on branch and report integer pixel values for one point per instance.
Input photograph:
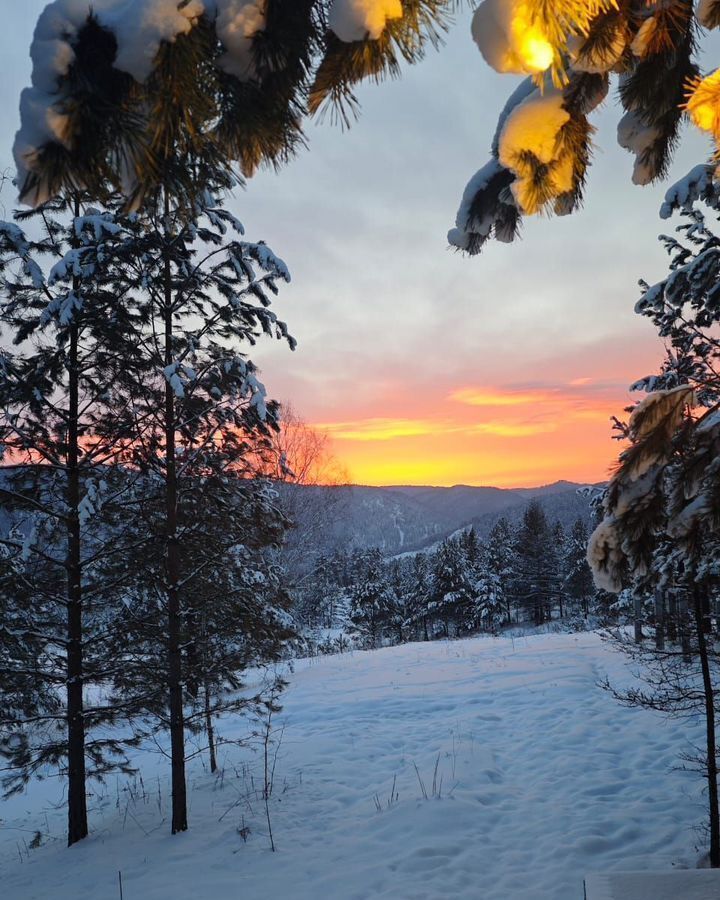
(139, 28)
(356, 20)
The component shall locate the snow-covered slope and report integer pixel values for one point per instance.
(533, 775)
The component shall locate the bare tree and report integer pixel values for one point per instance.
(313, 488)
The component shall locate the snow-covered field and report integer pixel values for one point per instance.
(541, 778)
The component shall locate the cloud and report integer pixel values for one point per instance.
(386, 429)
(377, 429)
(512, 429)
(496, 396)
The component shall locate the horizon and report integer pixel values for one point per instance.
(449, 487)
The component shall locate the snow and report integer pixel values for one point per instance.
(694, 884)
(682, 194)
(140, 26)
(604, 555)
(356, 20)
(101, 223)
(635, 136)
(510, 38)
(477, 183)
(644, 36)
(526, 87)
(541, 778)
(533, 127)
(659, 406)
(172, 376)
(238, 21)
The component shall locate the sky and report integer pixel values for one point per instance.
(424, 366)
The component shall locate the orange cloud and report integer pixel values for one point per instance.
(496, 397)
(513, 429)
(377, 429)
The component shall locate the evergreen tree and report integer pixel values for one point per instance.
(556, 552)
(499, 562)
(247, 72)
(234, 610)
(534, 579)
(451, 592)
(372, 602)
(194, 404)
(399, 587)
(659, 533)
(63, 432)
(578, 580)
(574, 51)
(471, 548)
(417, 602)
(488, 600)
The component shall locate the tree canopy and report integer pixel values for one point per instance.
(136, 94)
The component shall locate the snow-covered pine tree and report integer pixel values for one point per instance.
(485, 610)
(316, 595)
(534, 576)
(62, 433)
(569, 52)
(471, 546)
(488, 605)
(418, 596)
(233, 612)
(106, 77)
(660, 528)
(400, 581)
(452, 603)
(194, 405)
(499, 562)
(556, 552)
(372, 602)
(577, 577)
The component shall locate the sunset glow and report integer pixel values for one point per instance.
(488, 435)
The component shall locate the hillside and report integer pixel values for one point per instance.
(401, 519)
(534, 777)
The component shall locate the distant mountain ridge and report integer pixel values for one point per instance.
(407, 518)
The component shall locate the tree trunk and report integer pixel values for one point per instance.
(671, 629)
(77, 800)
(683, 630)
(711, 762)
(175, 688)
(637, 600)
(659, 620)
(209, 729)
(707, 623)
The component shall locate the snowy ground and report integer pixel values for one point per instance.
(541, 779)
